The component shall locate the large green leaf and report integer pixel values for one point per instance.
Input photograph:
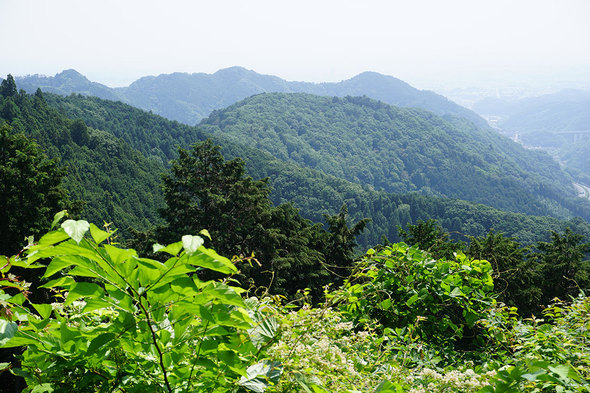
(44, 310)
(209, 259)
(7, 331)
(98, 234)
(261, 375)
(84, 289)
(100, 341)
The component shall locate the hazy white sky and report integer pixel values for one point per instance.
(117, 41)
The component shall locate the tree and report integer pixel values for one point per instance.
(429, 236)
(30, 190)
(79, 132)
(204, 191)
(341, 241)
(565, 267)
(515, 274)
(8, 87)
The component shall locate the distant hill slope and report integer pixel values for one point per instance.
(567, 110)
(559, 123)
(396, 149)
(313, 191)
(66, 83)
(188, 98)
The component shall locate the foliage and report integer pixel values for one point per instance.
(432, 155)
(547, 355)
(30, 189)
(404, 289)
(203, 190)
(516, 273)
(404, 322)
(313, 192)
(429, 236)
(126, 323)
(565, 265)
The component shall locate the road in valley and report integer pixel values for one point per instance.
(583, 191)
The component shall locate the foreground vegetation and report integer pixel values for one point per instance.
(403, 321)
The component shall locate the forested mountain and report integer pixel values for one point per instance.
(189, 98)
(111, 180)
(398, 150)
(313, 191)
(66, 83)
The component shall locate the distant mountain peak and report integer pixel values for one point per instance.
(71, 74)
(233, 70)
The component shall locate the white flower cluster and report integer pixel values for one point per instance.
(428, 380)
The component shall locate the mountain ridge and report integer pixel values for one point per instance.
(189, 98)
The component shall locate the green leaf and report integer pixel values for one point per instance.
(191, 243)
(455, 292)
(261, 375)
(50, 238)
(99, 342)
(76, 229)
(412, 300)
(205, 233)
(43, 309)
(43, 388)
(119, 255)
(386, 304)
(224, 293)
(63, 282)
(59, 263)
(264, 330)
(562, 370)
(95, 304)
(7, 331)
(98, 234)
(388, 387)
(209, 259)
(172, 249)
(57, 218)
(84, 289)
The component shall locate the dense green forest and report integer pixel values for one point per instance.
(400, 150)
(109, 180)
(189, 98)
(313, 192)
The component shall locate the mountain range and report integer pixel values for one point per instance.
(188, 98)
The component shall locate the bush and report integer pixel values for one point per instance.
(133, 324)
(404, 289)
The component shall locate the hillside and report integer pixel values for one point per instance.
(113, 181)
(312, 191)
(396, 150)
(566, 110)
(188, 98)
(559, 123)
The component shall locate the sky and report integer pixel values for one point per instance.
(451, 43)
